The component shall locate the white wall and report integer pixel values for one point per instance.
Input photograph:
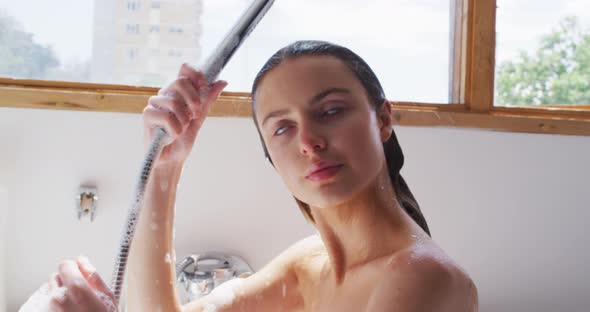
(3, 204)
(8, 142)
(511, 208)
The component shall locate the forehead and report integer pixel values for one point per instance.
(297, 80)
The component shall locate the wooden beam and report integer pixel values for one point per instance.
(229, 104)
(497, 121)
(458, 54)
(532, 120)
(69, 85)
(481, 56)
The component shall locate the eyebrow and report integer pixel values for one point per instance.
(317, 98)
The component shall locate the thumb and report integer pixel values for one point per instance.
(89, 273)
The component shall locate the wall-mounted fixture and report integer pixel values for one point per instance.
(197, 275)
(86, 202)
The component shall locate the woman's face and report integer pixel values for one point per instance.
(324, 137)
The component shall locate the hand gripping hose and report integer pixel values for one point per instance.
(211, 69)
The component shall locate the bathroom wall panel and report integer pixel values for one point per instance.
(510, 208)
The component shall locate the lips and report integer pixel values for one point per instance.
(322, 171)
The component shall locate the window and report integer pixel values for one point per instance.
(405, 42)
(154, 28)
(132, 28)
(132, 53)
(174, 29)
(133, 5)
(543, 53)
(174, 53)
(413, 66)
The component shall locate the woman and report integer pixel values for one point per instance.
(326, 127)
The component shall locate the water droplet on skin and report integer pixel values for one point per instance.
(164, 185)
(154, 226)
(284, 290)
(167, 258)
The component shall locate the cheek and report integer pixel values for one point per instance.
(363, 146)
(283, 158)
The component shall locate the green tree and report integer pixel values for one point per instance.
(557, 73)
(20, 56)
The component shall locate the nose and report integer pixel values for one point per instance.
(311, 141)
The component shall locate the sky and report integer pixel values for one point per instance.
(406, 42)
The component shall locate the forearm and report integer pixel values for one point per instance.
(151, 271)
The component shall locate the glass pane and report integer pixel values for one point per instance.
(543, 52)
(143, 42)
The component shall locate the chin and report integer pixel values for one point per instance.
(328, 195)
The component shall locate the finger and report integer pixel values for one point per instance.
(191, 97)
(154, 117)
(54, 282)
(89, 272)
(214, 93)
(197, 78)
(78, 289)
(174, 104)
(58, 298)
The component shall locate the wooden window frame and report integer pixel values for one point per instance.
(471, 89)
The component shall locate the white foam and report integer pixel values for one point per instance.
(107, 301)
(210, 308)
(223, 295)
(40, 300)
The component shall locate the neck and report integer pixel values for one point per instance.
(370, 226)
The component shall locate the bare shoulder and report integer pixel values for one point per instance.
(306, 257)
(424, 278)
(275, 287)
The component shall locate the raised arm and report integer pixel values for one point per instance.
(180, 110)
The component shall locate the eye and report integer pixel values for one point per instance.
(281, 130)
(331, 112)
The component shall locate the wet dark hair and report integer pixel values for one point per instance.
(393, 152)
